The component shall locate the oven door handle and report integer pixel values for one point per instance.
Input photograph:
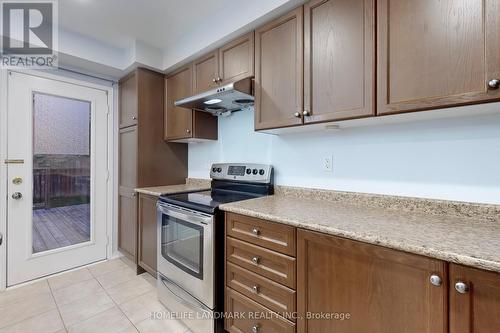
(193, 217)
(195, 304)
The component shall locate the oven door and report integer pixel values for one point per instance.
(186, 250)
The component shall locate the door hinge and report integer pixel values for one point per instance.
(107, 174)
(108, 241)
(1, 238)
(108, 110)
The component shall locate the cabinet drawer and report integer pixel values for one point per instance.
(260, 289)
(253, 317)
(273, 265)
(274, 236)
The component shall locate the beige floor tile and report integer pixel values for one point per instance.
(84, 308)
(106, 267)
(114, 278)
(110, 321)
(48, 322)
(130, 289)
(12, 296)
(77, 291)
(129, 263)
(69, 278)
(140, 308)
(27, 308)
(131, 329)
(161, 326)
(148, 277)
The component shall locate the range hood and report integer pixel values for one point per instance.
(228, 98)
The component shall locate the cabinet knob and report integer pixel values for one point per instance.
(214, 80)
(188, 131)
(255, 231)
(255, 328)
(306, 113)
(494, 84)
(297, 114)
(461, 287)
(435, 280)
(255, 289)
(219, 79)
(134, 118)
(256, 260)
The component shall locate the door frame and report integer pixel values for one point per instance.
(112, 139)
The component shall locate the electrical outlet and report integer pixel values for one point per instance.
(328, 163)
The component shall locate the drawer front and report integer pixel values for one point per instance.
(253, 317)
(274, 236)
(260, 289)
(273, 265)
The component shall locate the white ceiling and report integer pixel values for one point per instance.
(154, 33)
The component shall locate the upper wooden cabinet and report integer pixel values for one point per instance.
(206, 72)
(279, 72)
(236, 59)
(383, 291)
(474, 300)
(437, 53)
(181, 124)
(128, 101)
(339, 59)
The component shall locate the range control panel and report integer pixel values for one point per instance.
(248, 172)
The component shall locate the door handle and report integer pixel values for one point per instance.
(17, 195)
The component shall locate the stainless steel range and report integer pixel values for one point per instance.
(191, 243)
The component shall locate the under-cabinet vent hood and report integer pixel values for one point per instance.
(228, 98)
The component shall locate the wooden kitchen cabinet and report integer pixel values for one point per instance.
(236, 59)
(206, 72)
(145, 159)
(147, 232)
(437, 53)
(128, 98)
(181, 124)
(339, 59)
(477, 308)
(279, 72)
(383, 290)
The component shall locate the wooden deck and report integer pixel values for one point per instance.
(61, 226)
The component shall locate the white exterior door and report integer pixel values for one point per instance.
(57, 176)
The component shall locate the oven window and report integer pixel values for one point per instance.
(182, 245)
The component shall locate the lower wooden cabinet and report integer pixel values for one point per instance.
(127, 227)
(378, 289)
(474, 300)
(146, 233)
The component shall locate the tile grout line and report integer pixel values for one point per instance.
(57, 306)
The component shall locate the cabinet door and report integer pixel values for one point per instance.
(236, 59)
(339, 59)
(279, 72)
(382, 290)
(127, 222)
(128, 157)
(437, 53)
(178, 121)
(476, 309)
(147, 233)
(206, 72)
(128, 101)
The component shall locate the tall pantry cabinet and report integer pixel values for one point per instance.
(145, 159)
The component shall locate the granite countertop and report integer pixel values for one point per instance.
(472, 240)
(191, 185)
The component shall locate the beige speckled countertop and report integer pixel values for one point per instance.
(467, 234)
(191, 185)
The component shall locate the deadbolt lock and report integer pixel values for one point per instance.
(17, 180)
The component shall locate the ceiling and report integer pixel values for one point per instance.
(154, 33)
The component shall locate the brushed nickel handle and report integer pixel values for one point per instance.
(255, 231)
(256, 260)
(494, 84)
(306, 113)
(297, 114)
(461, 287)
(255, 328)
(17, 195)
(435, 280)
(255, 289)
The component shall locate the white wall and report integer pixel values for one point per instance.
(453, 159)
